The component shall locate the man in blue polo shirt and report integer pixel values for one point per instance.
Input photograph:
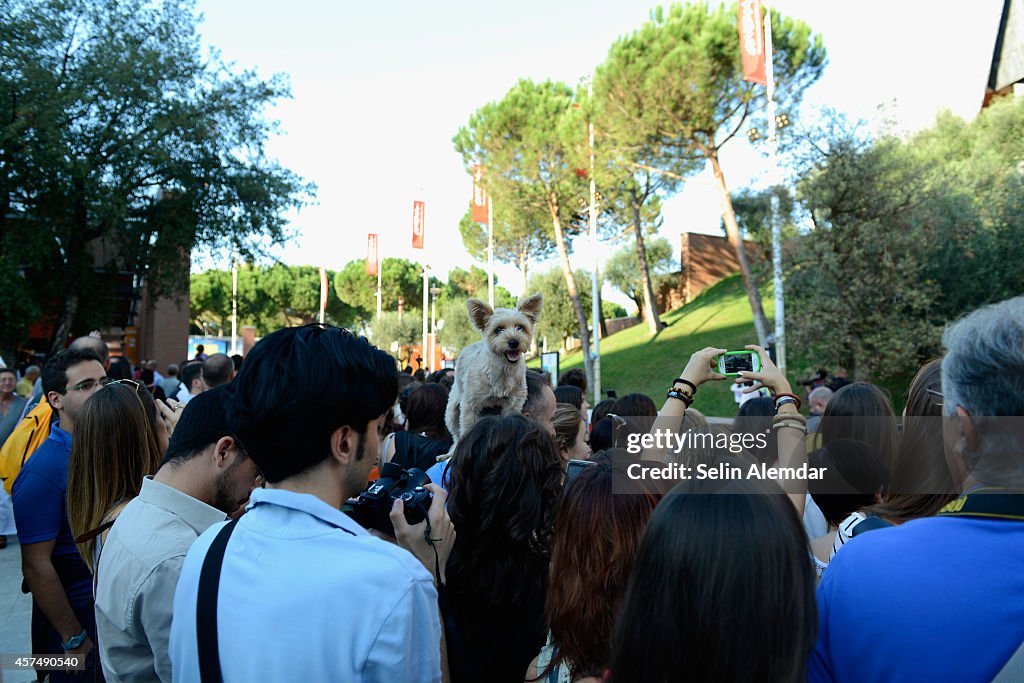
(61, 586)
(942, 598)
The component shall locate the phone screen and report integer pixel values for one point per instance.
(743, 362)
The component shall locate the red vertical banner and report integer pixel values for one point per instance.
(323, 292)
(751, 26)
(417, 224)
(371, 254)
(481, 200)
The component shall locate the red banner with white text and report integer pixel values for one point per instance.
(481, 199)
(417, 224)
(371, 254)
(751, 27)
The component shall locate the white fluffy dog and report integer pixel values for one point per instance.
(490, 375)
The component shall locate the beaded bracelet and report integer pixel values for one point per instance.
(680, 380)
(792, 424)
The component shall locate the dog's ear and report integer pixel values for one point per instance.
(479, 313)
(531, 307)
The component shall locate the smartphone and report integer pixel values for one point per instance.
(611, 394)
(732, 363)
(573, 469)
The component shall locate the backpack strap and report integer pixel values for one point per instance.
(1013, 670)
(206, 607)
(869, 524)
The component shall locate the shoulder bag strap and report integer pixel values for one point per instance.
(206, 607)
(1013, 670)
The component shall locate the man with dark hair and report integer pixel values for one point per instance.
(217, 370)
(205, 476)
(575, 377)
(191, 382)
(540, 401)
(320, 598)
(60, 583)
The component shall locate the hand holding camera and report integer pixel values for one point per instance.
(430, 540)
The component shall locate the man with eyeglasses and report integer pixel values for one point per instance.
(60, 583)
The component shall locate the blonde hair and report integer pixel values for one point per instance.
(113, 449)
(567, 425)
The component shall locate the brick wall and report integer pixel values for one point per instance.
(705, 260)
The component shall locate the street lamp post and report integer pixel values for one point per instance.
(434, 291)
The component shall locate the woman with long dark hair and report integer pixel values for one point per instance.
(596, 538)
(722, 589)
(504, 491)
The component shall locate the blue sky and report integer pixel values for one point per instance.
(379, 89)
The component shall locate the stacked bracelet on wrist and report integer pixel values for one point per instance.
(680, 380)
(783, 399)
(793, 420)
(681, 395)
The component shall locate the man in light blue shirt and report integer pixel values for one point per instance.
(305, 593)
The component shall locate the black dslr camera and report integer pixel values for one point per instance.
(373, 506)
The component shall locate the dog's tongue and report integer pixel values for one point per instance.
(512, 356)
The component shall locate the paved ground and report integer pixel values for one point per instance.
(15, 611)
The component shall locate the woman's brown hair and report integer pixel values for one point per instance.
(920, 483)
(567, 425)
(113, 450)
(596, 538)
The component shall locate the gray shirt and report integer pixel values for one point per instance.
(136, 577)
(9, 421)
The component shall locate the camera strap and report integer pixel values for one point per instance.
(206, 607)
(988, 502)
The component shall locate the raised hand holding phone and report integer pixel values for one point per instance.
(769, 375)
(702, 366)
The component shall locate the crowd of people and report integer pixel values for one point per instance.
(210, 523)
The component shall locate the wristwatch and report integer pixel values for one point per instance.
(75, 642)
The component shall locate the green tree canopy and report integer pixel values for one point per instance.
(399, 278)
(622, 270)
(677, 85)
(534, 139)
(122, 147)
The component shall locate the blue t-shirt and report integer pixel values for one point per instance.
(438, 474)
(936, 599)
(40, 505)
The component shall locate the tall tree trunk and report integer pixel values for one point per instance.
(732, 229)
(524, 264)
(600, 310)
(68, 312)
(651, 311)
(570, 284)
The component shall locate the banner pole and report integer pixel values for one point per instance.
(490, 251)
(773, 151)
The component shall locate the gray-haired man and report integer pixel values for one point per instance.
(942, 598)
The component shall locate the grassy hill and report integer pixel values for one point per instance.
(632, 360)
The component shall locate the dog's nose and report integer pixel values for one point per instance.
(513, 343)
